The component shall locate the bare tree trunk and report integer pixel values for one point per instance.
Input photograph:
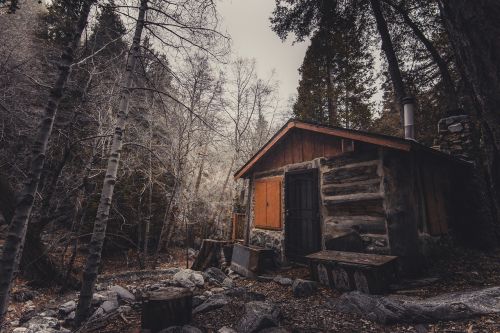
(449, 87)
(18, 226)
(390, 54)
(474, 32)
(99, 233)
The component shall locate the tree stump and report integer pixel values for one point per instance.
(168, 307)
(210, 255)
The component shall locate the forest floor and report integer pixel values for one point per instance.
(456, 270)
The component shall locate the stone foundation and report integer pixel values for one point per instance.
(268, 239)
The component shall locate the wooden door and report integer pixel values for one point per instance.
(302, 224)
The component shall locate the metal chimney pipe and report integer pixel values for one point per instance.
(409, 116)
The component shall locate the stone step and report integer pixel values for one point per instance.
(349, 173)
(358, 198)
(363, 186)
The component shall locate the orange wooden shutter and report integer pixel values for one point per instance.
(273, 210)
(260, 204)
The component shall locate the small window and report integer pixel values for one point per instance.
(267, 209)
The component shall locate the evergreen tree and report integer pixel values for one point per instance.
(335, 87)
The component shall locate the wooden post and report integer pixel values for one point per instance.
(248, 211)
(165, 308)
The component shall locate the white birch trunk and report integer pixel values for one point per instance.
(99, 233)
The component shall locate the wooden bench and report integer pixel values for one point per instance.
(368, 273)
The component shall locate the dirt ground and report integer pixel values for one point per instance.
(456, 270)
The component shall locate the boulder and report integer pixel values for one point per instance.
(109, 305)
(228, 283)
(390, 310)
(284, 281)
(188, 278)
(123, 294)
(67, 307)
(304, 288)
(274, 330)
(215, 275)
(98, 299)
(226, 329)
(258, 316)
(213, 302)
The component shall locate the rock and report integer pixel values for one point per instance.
(70, 317)
(284, 281)
(214, 302)
(188, 278)
(48, 313)
(226, 329)
(258, 316)
(109, 305)
(26, 316)
(217, 290)
(389, 310)
(458, 127)
(67, 307)
(20, 330)
(123, 294)
(236, 292)
(215, 275)
(97, 313)
(197, 300)
(228, 283)
(304, 288)
(124, 309)
(181, 329)
(38, 323)
(14, 323)
(98, 299)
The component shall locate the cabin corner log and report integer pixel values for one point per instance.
(168, 307)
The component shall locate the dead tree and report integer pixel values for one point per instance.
(17, 229)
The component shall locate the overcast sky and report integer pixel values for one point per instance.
(247, 21)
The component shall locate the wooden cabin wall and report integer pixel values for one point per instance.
(298, 147)
(402, 204)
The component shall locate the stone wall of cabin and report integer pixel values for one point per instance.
(455, 137)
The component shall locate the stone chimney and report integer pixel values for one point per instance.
(455, 137)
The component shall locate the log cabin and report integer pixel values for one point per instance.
(314, 187)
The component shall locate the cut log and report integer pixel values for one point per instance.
(210, 255)
(365, 186)
(350, 198)
(352, 172)
(168, 307)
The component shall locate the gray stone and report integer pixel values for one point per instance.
(214, 302)
(284, 281)
(447, 307)
(67, 307)
(124, 309)
(226, 329)
(70, 316)
(258, 316)
(123, 294)
(228, 283)
(20, 330)
(304, 288)
(109, 305)
(97, 313)
(215, 275)
(97, 299)
(456, 128)
(48, 313)
(197, 300)
(39, 323)
(188, 278)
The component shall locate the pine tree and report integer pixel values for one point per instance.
(335, 86)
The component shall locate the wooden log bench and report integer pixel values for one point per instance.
(367, 273)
